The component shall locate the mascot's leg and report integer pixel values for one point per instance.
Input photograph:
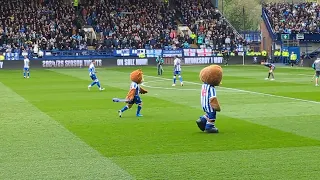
(139, 109)
(126, 107)
(210, 125)
(201, 122)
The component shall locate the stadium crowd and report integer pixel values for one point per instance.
(294, 18)
(48, 24)
(208, 25)
(131, 23)
(56, 25)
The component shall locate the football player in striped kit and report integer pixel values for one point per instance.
(26, 70)
(177, 71)
(211, 77)
(316, 66)
(92, 74)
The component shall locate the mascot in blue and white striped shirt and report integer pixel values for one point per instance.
(211, 77)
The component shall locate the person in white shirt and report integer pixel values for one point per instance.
(177, 71)
(26, 66)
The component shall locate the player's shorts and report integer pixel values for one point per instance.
(26, 69)
(136, 100)
(93, 77)
(176, 72)
(212, 115)
(272, 68)
(317, 73)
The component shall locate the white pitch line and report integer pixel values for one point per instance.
(245, 91)
(166, 88)
(155, 87)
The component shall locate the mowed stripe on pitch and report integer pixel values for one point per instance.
(274, 163)
(260, 108)
(34, 146)
(298, 116)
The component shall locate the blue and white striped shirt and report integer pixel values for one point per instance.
(136, 87)
(177, 65)
(207, 92)
(92, 70)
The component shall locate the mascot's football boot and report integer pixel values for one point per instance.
(201, 123)
(211, 128)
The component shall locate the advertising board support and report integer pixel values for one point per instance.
(243, 58)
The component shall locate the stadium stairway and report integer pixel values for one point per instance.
(314, 54)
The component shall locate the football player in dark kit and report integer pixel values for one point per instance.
(159, 61)
(226, 56)
(271, 67)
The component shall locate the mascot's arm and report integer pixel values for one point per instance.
(143, 91)
(215, 104)
(131, 94)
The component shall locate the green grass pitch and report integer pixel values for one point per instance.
(52, 127)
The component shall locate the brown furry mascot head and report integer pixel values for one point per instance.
(211, 75)
(137, 76)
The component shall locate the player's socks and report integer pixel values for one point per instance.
(124, 108)
(93, 83)
(180, 78)
(100, 88)
(24, 74)
(174, 79)
(181, 81)
(138, 110)
(28, 74)
(269, 75)
(120, 113)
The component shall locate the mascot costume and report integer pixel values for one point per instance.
(211, 77)
(133, 96)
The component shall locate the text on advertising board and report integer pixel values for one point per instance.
(132, 62)
(203, 60)
(69, 63)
